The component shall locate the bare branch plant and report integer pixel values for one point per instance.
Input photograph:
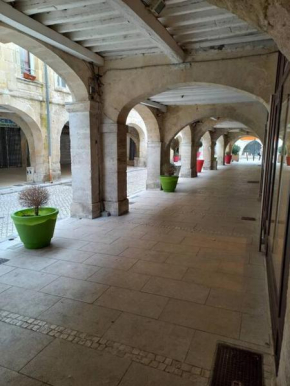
(34, 197)
(169, 170)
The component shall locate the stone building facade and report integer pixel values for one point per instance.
(23, 100)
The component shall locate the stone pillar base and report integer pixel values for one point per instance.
(153, 185)
(117, 208)
(40, 177)
(81, 210)
(185, 173)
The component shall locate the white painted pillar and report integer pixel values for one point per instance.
(85, 158)
(114, 177)
(153, 165)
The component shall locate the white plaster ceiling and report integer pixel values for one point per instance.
(196, 24)
(110, 29)
(201, 94)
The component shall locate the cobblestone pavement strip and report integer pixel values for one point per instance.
(94, 342)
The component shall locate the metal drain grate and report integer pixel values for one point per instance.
(253, 182)
(2, 261)
(237, 367)
(248, 218)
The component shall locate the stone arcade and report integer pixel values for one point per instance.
(214, 69)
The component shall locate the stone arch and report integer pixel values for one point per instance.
(256, 80)
(253, 115)
(66, 66)
(151, 123)
(153, 145)
(142, 146)
(35, 139)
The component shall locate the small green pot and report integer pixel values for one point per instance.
(168, 183)
(35, 231)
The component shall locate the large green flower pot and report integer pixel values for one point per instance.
(35, 231)
(168, 183)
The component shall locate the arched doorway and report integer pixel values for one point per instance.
(14, 153)
(65, 152)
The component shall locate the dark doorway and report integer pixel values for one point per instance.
(10, 145)
(132, 150)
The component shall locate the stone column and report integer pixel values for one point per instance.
(212, 155)
(194, 150)
(185, 170)
(165, 155)
(153, 165)
(207, 155)
(114, 178)
(85, 158)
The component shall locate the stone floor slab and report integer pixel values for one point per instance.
(204, 318)
(3, 287)
(249, 303)
(143, 254)
(67, 254)
(215, 279)
(108, 249)
(27, 278)
(146, 376)
(255, 329)
(175, 248)
(75, 289)
(108, 261)
(155, 336)
(35, 263)
(5, 269)
(18, 346)
(72, 270)
(133, 301)
(26, 302)
(75, 365)
(11, 378)
(118, 278)
(177, 289)
(157, 269)
(80, 316)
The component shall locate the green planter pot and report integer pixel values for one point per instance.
(168, 183)
(35, 231)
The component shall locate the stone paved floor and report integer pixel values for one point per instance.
(141, 299)
(60, 195)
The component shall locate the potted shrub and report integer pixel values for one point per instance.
(169, 180)
(35, 225)
(214, 164)
(228, 158)
(235, 153)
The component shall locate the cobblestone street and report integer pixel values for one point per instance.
(61, 198)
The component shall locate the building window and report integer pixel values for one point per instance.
(60, 82)
(26, 62)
